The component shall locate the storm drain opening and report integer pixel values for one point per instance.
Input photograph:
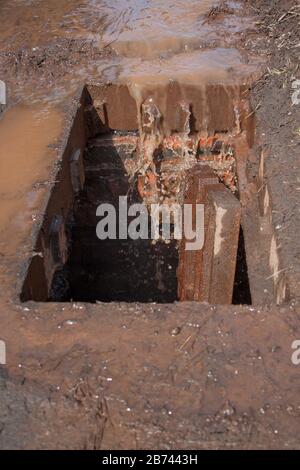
(101, 166)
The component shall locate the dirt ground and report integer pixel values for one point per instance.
(278, 122)
(151, 376)
(162, 376)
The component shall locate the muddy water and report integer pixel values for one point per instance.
(225, 66)
(25, 134)
(31, 23)
(152, 28)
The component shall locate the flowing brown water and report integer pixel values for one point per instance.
(144, 27)
(25, 134)
(190, 41)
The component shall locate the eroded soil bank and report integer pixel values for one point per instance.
(153, 375)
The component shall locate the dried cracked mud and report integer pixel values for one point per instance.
(151, 375)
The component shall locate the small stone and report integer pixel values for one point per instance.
(176, 331)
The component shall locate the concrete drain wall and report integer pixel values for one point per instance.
(107, 157)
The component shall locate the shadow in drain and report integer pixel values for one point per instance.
(241, 288)
(120, 270)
